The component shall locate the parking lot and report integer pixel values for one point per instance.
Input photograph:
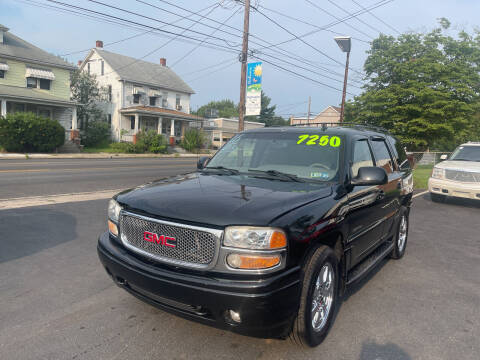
(57, 302)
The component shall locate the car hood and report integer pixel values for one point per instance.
(473, 166)
(221, 200)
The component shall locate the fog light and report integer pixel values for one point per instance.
(252, 262)
(112, 227)
(235, 316)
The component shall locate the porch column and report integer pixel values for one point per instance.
(160, 123)
(3, 109)
(183, 128)
(74, 118)
(137, 123)
(172, 128)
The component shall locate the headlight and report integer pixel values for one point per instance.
(114, 210)
(438, 173)
(256, 238)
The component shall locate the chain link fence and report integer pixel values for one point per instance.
(426, 158)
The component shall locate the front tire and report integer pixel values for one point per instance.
(400, 241)
(319, 298)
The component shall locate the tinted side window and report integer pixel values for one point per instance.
(382, 155)
(361, 156)
(399, 152)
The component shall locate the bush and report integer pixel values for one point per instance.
(27, 132)
(97, 132)
(193, 139)
(150, 141)
(147, 141)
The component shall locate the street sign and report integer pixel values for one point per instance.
(253, 103)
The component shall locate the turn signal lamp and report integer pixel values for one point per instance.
(112, 227)
(252, 262)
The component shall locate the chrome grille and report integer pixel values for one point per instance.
(194, 247)
(462, 176)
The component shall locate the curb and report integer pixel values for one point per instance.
(95, 156)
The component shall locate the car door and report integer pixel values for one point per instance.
(365, 205)
(391, 191)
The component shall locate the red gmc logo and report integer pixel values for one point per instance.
(160, 239)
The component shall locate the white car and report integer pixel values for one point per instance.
(458, 175)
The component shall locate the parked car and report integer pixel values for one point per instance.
(265, 237)
(457, 176)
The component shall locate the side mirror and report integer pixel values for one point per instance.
(370, 175)
(202, 162)
(444, 157)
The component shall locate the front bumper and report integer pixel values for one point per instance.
(267, 306)
(454, 188)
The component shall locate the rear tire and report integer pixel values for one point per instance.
(319, 298)
(438, 198)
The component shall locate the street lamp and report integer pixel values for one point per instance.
(345, 44)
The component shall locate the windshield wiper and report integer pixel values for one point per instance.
(278, 174)
(224, 169)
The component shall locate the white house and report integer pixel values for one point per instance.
(220, 130)
(330, 115)
(141, 95)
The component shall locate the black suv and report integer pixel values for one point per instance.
(264, 238)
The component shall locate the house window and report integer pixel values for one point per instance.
(178, 106)
(31, 82)
(165, 99)
(45, 113)
(88, 67)
(44, 84)
(103, 67)
(136, 98)
(2, 74)
(132, 122)
(153, 100)
(109, 120)
(109, 93)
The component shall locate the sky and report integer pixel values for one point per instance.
(214, 73)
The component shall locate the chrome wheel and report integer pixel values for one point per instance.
(322, 297)
(402, 234)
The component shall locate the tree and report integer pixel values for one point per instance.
(424, 88)
(87, 94)
(226, 108)
(267, 114)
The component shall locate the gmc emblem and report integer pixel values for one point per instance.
(160, 239)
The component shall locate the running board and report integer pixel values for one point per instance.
(370, 262)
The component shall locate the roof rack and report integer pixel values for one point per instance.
(325, 125)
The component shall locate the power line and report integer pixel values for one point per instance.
(298, 38)
(216, 70)
(280, 50)
(374, 6)
(337, 18)
(209, 67)
(136, 35)
(308, 23)
(376, 17)
(199, 44)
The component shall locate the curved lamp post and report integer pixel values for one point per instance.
(345, 44)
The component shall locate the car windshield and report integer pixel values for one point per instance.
(466, 153)
(290, 156)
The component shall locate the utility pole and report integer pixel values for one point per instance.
(243, 59)
(342, 111)
(308, 114)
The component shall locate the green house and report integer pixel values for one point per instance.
(33, 80)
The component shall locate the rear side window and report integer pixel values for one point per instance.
(362, 156)
(399, 153)
(382, 155)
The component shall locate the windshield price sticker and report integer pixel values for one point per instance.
(333, 141)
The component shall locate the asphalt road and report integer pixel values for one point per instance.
(57, 302)
(35, 177)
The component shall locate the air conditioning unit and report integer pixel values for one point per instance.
(178, 107)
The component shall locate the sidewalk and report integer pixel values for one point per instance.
(7, 156)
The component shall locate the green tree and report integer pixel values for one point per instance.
(267, 114)
(87, 93)
(425, 88)
(226, 108)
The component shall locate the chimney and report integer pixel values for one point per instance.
(99, 44)
(163, 61)
(79, 63)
